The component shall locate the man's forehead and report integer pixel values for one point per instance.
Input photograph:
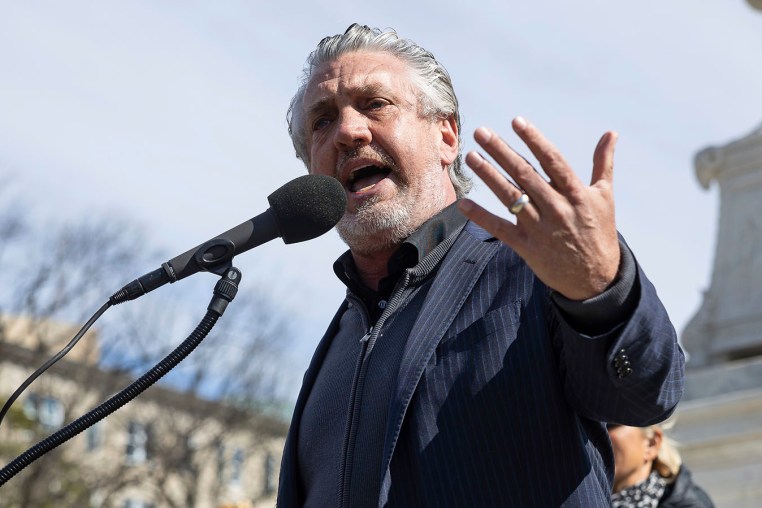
(358, 72)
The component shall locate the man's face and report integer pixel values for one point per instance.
(363, 127)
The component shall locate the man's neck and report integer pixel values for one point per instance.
(374, 266)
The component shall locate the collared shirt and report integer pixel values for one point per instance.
(410, 253)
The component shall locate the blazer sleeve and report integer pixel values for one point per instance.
(631, 374)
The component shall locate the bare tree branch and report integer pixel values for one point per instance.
(223, 400)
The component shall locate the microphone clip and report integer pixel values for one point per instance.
(215, 256)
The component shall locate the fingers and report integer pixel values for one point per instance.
(551, 160)
(504, 189)
(563, 179)
(497, 226)
(603, 159)
(514, 164)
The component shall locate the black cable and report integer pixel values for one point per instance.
(112, 404)
(224, 292)
(53, 360)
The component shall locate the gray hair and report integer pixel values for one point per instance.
(436, 96)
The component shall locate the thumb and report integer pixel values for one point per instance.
(603, 158)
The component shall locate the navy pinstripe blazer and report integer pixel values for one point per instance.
(498, 401)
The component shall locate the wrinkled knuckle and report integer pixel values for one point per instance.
(556, 214)
(555, 159)
(577, 195)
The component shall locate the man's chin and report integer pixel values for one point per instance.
(372, 231)
(366, 243)
(377, 226)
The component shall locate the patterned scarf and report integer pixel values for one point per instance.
(645, 494)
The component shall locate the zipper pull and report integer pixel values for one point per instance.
(365, 337)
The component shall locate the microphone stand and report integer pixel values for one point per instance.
(224, 292)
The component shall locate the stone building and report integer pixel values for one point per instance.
(165, 448)
(719, 421)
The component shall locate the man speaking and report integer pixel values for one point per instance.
(475, 360)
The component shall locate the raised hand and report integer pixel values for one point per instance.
(566, 230)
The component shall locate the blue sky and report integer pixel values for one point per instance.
(172, 114)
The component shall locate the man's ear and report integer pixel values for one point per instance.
(449, 144)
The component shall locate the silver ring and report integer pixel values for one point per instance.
(519, 204)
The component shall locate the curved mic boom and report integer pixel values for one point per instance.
(302, 209)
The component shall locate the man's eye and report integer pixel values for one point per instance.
(320, 123)
(376, 104)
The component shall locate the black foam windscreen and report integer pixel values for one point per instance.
(307, 206)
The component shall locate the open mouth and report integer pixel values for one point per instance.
(365, 177)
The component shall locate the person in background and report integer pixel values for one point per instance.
(475, 357)
(649, 473)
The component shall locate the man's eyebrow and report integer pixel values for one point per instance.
(362, 90)
(318, 106)
(372, 89)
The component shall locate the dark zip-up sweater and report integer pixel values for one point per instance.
(350, 399)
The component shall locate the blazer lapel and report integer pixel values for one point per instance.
(454, 281)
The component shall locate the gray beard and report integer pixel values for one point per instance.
(375, 227)
(378, 226)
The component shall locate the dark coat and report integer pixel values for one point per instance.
(683, 493)
(498, 400)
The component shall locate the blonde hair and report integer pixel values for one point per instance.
(668, 461)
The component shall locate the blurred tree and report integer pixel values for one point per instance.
(200, 437)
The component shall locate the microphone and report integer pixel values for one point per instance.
(302, 209)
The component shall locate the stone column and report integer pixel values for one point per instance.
(728, 326)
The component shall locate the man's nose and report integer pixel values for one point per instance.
(352, 130)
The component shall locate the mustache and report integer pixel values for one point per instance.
(369, 152)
